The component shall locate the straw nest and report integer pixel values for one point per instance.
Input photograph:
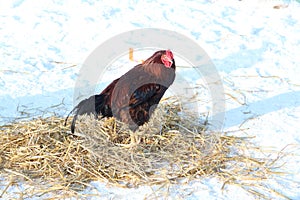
(171, 147)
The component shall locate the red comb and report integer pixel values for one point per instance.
(169, 53)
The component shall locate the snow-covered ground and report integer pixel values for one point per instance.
(253, 44)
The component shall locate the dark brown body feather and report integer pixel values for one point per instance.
(133, 97)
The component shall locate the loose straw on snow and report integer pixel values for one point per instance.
(42, 153)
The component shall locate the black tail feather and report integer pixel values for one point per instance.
(69, 115)
(93, 105)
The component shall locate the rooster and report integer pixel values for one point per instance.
(133, 97)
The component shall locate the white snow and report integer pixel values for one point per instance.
(254, 46)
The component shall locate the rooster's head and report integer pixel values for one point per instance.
(167, 58)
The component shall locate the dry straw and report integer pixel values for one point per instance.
(172, 146)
